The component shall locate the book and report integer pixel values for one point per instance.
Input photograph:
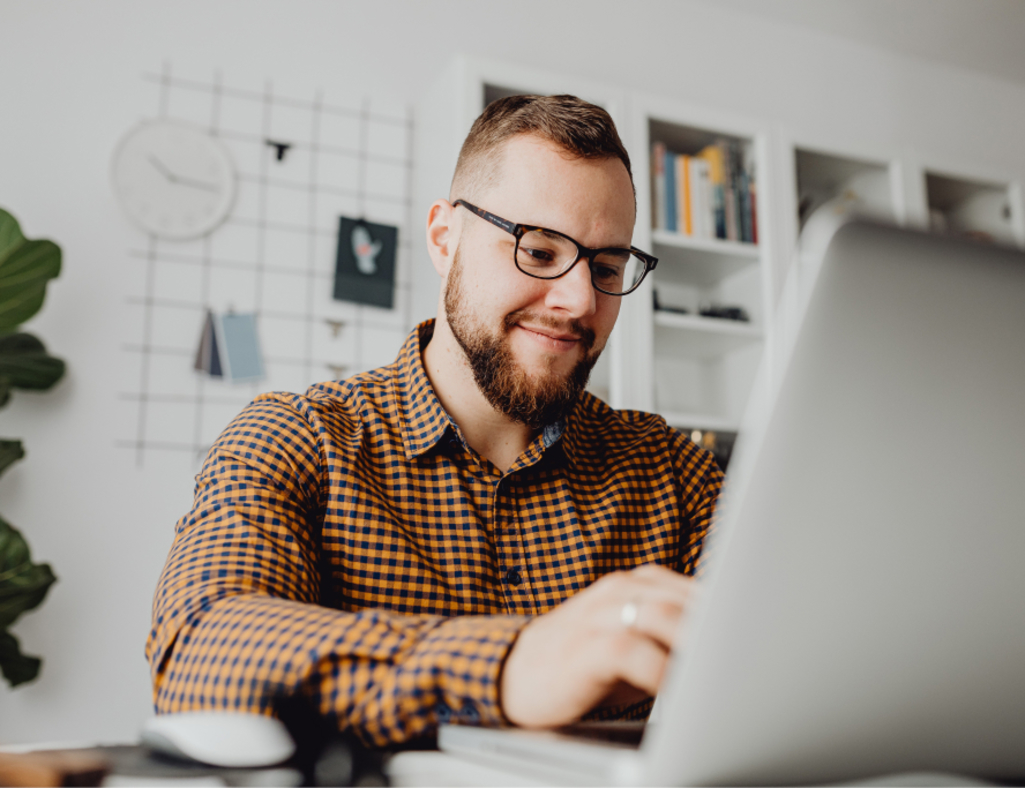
(686, 221)
(671, 192)
(658, 183)
(701, 199)
(713, 155)
(708, 194)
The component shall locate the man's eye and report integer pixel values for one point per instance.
(606, 273)
(538, 256)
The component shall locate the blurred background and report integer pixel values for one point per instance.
(745, 119)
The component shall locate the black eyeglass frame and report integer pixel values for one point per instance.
(519, 230)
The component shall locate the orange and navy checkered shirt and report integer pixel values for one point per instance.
(349, 546)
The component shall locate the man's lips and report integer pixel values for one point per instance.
(555, 340)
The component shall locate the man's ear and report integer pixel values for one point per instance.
(442, 235)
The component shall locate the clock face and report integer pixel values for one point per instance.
(173, 179)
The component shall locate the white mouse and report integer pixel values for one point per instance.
(220, 738)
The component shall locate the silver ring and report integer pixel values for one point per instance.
(628, 615)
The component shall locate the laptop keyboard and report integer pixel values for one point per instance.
(628, 733)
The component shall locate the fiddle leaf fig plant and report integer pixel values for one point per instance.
(25, 269)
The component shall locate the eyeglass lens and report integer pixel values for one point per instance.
(546, 255)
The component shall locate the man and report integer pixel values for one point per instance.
(465, 534)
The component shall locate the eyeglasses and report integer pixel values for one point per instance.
(549, 254)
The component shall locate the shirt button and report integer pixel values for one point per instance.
(469, 714)
(513, 577)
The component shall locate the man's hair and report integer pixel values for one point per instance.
(577, 126)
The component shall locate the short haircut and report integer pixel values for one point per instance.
(578, 127)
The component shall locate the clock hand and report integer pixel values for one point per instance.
(184, 181)
(161, 168)
(210, 187)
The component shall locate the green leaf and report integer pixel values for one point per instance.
(16, 667)
(24, 272)
(25, 363)
(23, 584)
(10, 234)
(10, 453)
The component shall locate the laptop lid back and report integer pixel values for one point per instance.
(865, 611)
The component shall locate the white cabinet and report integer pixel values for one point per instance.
(696, 369)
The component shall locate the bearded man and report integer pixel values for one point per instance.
(464, 535)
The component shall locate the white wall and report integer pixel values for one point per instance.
(70, 86)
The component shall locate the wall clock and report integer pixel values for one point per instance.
(173, 179)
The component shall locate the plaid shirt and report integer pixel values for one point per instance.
(350, 546)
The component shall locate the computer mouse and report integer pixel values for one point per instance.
(220, 738)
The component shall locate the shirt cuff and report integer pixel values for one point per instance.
(466, 655)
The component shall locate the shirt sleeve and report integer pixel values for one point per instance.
(700, 480)
(237, 621)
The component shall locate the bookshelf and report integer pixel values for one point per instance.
(701, 368)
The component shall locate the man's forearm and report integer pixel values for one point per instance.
(386, 676)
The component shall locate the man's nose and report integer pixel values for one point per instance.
(573, 291)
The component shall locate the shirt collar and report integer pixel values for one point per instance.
(426, 421)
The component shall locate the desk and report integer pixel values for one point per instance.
(433, 769)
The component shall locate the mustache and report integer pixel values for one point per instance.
(587, 335)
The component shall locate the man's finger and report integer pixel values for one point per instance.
(656, 617)
(641, 663)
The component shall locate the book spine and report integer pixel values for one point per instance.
(658, 179)
(670, 204)
(730, 190)
(686, 206)
(704, 199)
(745, 207)
(752, 207)
(754, 212)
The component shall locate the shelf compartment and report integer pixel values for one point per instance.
(700, 262)
(825, 177)
(705, 338)
(971, 208)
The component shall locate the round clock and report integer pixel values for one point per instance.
(173, 179)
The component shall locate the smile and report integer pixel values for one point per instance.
(558, 343)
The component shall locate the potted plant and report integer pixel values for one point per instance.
(25, 268)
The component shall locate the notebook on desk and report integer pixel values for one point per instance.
(864, 609)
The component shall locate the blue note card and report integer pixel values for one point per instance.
(240, 347)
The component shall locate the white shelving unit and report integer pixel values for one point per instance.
(700, 372)
(697, 371)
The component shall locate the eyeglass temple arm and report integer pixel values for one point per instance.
(498, 221)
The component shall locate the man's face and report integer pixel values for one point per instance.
(531, 343)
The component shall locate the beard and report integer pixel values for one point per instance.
(533, 400)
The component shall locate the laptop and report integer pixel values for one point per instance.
(864, 603)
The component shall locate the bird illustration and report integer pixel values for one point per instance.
(366, 250)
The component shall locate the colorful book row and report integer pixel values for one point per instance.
(710, 194)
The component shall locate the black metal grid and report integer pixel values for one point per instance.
(259, 185)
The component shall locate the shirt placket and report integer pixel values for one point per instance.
(513, 574)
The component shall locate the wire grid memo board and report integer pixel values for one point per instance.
(274, 255)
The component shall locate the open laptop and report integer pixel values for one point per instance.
(864, 609)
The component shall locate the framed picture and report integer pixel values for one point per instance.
(365, 264)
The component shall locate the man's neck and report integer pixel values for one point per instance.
(490, 433)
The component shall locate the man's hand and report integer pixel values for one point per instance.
(587, 651)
